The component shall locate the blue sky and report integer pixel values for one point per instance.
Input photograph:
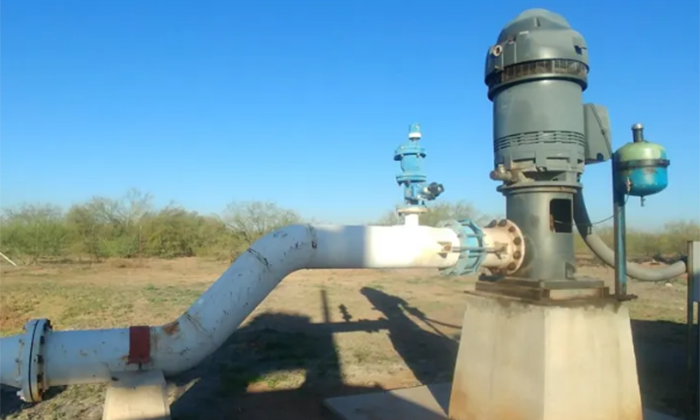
(303, 102)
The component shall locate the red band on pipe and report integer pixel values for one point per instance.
(139, 345)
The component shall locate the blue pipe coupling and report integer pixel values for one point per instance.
(499, 247)
(472, 250)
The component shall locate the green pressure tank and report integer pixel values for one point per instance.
(640, 166)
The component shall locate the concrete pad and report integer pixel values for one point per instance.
(419, 403)
(547, 360)
(137, 396)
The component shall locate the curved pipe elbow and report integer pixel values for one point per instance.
(607, 255)
(185, 342)
(90, 356)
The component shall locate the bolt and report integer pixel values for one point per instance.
(42, 340)
(511, 229)
(491, 224)
(517, 241)
(502, 222)
(40, 359)
(511, 266)
(517, 255)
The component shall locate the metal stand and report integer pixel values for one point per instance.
(693, 338)
(620, 228)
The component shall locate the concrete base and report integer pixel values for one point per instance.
(521, 360)
(428, 402)
(420, 403)
(137, 396)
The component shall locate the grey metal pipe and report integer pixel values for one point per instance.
(602, 251)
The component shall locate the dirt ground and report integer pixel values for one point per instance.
(319, 334)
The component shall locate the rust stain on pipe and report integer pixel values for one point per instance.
(195, 321)
(171, 327)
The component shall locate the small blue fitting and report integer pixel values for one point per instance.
(472, 251)
(412, 179)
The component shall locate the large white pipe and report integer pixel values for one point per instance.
(91, 356)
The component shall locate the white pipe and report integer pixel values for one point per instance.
(411, 219)
(7, 259)
(91, 356)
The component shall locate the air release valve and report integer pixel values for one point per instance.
(412, 179)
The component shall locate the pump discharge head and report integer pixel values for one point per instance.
(543, 134)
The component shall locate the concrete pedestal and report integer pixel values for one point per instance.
(545, 361)
(137, 396)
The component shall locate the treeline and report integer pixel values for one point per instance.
(665, 244)
(131, 227)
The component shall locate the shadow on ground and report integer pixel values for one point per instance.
(11, 404)
(660, 349)
(279, 342)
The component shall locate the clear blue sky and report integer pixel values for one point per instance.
(304, 101)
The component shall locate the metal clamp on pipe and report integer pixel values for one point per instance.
(499, 247)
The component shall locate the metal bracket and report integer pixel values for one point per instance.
(693, 337)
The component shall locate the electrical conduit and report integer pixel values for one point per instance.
(607, 255)
(43, 358)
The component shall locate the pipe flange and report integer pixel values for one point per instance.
(471, 247)
(506, 238)
(34, 382)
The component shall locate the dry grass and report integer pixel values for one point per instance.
(320, 333)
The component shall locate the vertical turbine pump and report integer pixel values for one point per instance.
(543, 134)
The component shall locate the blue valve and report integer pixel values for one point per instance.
(414, 182)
